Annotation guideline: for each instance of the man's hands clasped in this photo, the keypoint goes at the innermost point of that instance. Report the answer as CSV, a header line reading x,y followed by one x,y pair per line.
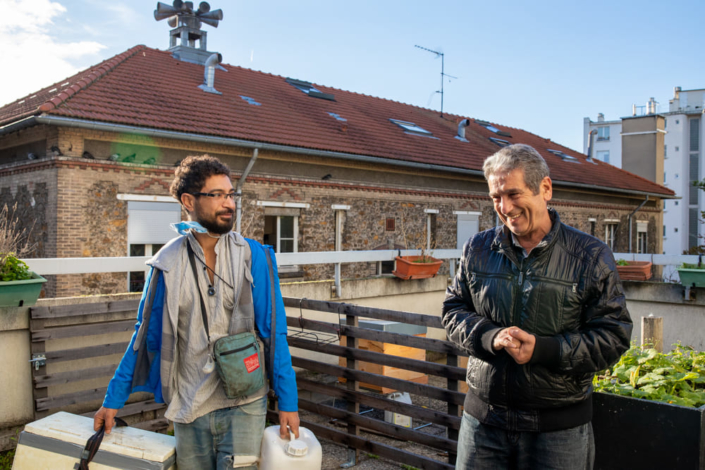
x,y
518,343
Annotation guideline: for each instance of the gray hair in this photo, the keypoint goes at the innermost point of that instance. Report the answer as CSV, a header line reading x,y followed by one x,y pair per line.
x,y
518,156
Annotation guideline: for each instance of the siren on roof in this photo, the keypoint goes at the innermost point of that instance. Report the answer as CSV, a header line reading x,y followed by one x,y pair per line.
x,y
187,41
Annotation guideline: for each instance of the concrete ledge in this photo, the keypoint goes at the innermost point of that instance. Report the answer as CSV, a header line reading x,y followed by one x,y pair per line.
x,y
662,292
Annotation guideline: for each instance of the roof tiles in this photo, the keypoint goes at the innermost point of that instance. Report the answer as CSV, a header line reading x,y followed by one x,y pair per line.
x,y
146,87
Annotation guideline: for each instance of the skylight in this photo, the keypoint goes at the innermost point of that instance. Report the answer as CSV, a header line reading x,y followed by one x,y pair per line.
x,y
490,127
309,89
564,157
412,128
500,142
306,87
338,117
251,101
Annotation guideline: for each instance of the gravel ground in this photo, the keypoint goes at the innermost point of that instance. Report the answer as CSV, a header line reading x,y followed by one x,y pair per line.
x,y
334,454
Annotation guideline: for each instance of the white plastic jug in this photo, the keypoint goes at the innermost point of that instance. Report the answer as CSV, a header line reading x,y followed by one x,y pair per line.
x,y
304,453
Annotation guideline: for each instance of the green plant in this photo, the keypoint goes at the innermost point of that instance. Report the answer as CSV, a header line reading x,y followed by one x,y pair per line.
x,y
6,459
13,269
692,266
622,262
408,467
677,377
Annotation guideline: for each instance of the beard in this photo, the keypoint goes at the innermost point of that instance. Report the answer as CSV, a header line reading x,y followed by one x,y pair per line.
x,y
213,225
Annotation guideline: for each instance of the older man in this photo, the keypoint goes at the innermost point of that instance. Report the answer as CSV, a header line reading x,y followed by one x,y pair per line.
x,y
539,308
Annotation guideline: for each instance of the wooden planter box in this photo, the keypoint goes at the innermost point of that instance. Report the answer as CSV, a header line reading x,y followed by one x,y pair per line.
x,y
21,293
692,277
634,433
408,267
635,271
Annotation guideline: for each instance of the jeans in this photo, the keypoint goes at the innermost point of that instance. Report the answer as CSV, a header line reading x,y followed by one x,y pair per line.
x,y
223,439
483,447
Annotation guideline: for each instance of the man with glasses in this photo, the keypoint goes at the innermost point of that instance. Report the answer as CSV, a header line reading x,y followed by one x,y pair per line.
x,y
205,285
539,307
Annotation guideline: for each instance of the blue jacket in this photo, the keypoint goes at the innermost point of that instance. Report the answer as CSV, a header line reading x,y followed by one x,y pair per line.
x,y
140,371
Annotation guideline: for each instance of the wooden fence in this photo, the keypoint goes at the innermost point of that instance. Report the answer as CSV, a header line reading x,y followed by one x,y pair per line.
x,y
354,397
104,329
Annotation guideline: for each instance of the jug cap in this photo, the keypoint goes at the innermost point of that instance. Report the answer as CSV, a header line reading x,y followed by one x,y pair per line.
x,y
297,448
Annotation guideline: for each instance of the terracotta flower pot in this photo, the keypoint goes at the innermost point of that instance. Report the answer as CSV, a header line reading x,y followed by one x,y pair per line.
x,y
411,267
635,271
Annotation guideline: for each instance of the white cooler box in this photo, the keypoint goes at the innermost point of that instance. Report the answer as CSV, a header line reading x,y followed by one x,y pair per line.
x,y
57,441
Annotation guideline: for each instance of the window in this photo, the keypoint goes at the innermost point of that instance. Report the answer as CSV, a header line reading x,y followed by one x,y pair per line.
x,y
282,232
252,101
412,128
664,231
603,155
665,208
487,126
603,133
610,235
148,229
390,225
641,229
665,151
500,142
431,231
309,89
593,223
135,279
338,117
664,178
564,157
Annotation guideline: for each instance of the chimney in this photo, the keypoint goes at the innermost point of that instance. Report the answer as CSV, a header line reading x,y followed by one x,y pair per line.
x,y
461,130
651,106
600,117
209,74
187,41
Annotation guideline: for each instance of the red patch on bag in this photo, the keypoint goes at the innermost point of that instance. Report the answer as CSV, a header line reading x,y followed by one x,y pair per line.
x,y
252,363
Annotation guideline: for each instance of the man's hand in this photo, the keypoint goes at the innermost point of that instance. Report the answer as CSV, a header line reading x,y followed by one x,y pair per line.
x,y
288,419
106,416
504,340
526,342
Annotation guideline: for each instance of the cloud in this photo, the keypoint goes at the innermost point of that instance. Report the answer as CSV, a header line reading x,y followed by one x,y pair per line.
x,y
32,57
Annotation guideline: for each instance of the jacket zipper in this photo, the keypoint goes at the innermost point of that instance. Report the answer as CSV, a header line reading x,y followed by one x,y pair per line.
x,y
233,351
513,321
572,285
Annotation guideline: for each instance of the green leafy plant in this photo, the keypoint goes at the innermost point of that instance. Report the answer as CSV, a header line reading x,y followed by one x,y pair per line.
x,y
622,262
692,266
13,269
677,377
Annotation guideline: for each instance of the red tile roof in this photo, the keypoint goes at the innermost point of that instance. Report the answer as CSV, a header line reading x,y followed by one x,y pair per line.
x,y
148,88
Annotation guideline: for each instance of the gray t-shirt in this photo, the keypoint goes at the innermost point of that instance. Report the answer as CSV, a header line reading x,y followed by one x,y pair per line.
x,y
198,393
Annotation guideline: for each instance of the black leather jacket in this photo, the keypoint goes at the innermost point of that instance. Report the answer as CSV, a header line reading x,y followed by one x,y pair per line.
x,y
566,292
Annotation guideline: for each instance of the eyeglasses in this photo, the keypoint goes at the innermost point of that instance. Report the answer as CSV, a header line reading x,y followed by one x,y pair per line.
x,y
217,196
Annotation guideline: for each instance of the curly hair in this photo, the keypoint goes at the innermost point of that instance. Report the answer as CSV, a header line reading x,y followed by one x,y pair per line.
x,y
191,174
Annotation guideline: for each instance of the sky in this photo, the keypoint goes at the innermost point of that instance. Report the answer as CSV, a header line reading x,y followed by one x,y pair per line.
x,y
541,66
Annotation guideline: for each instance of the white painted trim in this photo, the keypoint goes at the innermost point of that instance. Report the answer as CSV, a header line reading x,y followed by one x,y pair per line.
x,y
466,213
296,205
644,132
611,221
340,207
431,211
146,198
592,219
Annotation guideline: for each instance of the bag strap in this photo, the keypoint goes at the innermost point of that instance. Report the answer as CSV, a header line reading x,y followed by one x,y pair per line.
x,y
192,261
93,445
273,326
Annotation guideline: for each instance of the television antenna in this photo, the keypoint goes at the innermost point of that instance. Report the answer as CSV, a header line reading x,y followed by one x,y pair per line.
x,y
443,74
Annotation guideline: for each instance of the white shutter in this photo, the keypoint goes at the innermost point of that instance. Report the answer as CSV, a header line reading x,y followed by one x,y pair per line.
x,y
468,225
148,222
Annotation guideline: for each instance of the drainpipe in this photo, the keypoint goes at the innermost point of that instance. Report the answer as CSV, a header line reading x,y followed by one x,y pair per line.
x,y
240,184
590,139
629,219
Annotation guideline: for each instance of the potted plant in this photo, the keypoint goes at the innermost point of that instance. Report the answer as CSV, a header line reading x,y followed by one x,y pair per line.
x,y
650,410
692,275
634,270
420,266
18,285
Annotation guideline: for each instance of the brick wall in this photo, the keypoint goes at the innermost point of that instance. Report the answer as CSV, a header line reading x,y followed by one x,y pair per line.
x,y
77,212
